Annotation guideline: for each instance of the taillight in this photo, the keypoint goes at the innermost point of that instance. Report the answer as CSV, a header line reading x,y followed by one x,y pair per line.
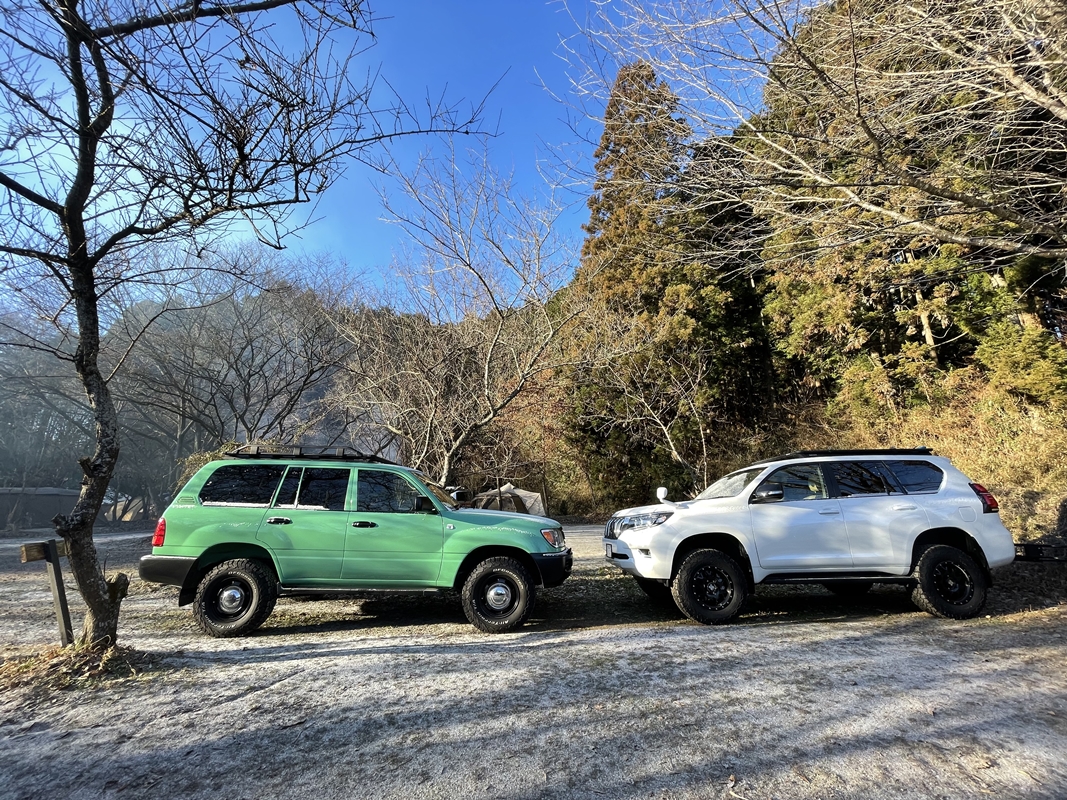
x,y
989,503
160,534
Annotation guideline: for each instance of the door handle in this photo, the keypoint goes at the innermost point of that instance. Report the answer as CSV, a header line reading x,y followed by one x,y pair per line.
x,y
362,523
828,512
903,507
278,521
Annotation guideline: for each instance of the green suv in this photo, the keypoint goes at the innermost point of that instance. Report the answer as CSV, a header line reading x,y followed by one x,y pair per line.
x,y
256,525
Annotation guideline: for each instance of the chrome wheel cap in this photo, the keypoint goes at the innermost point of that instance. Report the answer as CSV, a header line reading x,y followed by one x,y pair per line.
x,y
498,596
231,600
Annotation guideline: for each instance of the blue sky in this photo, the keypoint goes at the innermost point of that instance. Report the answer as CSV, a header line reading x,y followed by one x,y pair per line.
x,y
463,48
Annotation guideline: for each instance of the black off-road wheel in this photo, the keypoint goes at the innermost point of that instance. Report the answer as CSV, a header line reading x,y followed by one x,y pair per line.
x,y
658,591
235,597
498,596
950,583
848,588
710,587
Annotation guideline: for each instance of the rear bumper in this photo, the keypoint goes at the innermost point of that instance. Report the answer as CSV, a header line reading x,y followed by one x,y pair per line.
x,y
554,567
171,570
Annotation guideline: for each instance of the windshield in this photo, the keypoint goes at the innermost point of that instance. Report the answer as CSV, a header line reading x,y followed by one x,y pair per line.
x,y
436,490
730,485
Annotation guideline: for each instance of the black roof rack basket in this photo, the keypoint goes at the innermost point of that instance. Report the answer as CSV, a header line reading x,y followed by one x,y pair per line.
x,y
306,452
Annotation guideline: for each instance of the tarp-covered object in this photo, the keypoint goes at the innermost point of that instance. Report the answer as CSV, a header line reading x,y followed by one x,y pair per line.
x,y
510,498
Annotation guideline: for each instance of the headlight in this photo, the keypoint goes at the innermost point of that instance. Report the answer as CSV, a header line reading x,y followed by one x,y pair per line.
x,y
554,536
635,521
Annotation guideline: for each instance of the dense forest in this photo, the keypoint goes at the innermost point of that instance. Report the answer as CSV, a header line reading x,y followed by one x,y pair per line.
x,y
848,231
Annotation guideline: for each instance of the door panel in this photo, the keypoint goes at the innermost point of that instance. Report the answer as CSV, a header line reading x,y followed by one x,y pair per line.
x,y
803,530
307,525
387,541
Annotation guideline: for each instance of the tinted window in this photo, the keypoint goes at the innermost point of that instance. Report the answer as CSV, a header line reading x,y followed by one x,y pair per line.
x,y
856,479
242,484
799,482
287,494
323,487
917,477
384,492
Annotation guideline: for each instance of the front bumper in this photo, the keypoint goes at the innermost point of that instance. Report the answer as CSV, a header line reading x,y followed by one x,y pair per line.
x,y
554,567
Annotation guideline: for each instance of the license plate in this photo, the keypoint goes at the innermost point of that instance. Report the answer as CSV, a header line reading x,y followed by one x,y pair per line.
x,y
607,551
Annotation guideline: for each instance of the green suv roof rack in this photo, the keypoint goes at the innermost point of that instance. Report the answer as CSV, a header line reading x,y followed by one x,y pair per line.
x,y
888,451
305,452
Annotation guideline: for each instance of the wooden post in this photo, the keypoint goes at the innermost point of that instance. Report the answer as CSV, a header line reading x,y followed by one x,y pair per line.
x,y
50,552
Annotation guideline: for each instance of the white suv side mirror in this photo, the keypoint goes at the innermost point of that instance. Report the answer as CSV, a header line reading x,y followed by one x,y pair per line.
x,y
661,494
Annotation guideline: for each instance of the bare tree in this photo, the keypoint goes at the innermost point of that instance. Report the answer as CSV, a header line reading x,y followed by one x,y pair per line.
x,y
472,320
126,124
939,121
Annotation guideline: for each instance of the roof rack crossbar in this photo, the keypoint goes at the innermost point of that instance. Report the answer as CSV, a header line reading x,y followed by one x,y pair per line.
x,y
886,451
306,453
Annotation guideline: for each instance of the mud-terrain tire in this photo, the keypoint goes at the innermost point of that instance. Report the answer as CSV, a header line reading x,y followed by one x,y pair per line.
x,y
950,583
710,587
848,588
498,596
235,597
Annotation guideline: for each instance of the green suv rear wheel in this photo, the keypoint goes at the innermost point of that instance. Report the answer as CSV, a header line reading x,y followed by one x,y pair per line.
x,y
235,598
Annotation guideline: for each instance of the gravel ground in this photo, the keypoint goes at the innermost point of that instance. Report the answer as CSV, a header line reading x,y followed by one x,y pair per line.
x,y
602,695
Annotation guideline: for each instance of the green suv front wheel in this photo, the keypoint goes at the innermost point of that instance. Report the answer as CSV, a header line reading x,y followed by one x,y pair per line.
x,y
498,595
235,598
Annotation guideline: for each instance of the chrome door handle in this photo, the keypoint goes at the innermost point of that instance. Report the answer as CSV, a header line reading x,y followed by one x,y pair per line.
x,y
902,507
362,523
278,521
826,512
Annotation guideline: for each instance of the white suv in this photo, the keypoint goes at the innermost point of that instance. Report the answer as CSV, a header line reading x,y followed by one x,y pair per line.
x,y
844,518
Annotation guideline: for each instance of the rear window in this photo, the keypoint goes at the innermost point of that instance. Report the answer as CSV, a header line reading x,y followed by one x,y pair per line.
x,y
917,477
242,485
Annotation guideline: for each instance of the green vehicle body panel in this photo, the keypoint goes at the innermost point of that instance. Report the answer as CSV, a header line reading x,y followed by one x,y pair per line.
x,y
318,548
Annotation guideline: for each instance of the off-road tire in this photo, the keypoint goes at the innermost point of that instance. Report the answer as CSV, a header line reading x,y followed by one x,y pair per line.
x,y
235,597
498,596
848,588
710,587
950,583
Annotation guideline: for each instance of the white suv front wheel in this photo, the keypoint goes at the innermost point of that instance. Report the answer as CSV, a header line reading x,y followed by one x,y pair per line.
x,y
710,587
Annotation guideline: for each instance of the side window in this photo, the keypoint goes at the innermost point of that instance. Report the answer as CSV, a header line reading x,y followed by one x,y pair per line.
x,y
242,485
287,494
917,477
855,479
799,482
323,488
384,492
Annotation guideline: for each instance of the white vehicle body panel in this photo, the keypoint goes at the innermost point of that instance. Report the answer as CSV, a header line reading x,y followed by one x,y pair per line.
x,y
869,534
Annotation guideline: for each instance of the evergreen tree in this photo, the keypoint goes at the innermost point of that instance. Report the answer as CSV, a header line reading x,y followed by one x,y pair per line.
x,y
676,355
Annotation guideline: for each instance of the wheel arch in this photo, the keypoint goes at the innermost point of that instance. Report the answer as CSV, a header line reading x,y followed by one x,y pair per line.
x,y
479,554
216,554
954,537
725,542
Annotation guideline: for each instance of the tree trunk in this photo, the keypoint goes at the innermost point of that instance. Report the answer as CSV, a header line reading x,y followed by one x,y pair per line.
x,y
102,596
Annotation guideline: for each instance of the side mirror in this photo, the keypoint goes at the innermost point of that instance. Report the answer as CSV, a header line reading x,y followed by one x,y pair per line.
x,y
463,495
661,494
425,505
768,493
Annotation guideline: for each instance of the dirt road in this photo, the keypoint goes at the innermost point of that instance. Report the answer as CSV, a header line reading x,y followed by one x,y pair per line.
x,y
602,696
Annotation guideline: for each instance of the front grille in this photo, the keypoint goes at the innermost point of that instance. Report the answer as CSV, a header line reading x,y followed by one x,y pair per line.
x,y
609,529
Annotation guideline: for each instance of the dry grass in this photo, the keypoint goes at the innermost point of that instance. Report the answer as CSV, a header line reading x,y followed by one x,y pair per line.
x,y
73,668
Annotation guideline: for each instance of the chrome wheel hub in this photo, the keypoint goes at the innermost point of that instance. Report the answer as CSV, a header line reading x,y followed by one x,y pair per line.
x,y
231,600
498,596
